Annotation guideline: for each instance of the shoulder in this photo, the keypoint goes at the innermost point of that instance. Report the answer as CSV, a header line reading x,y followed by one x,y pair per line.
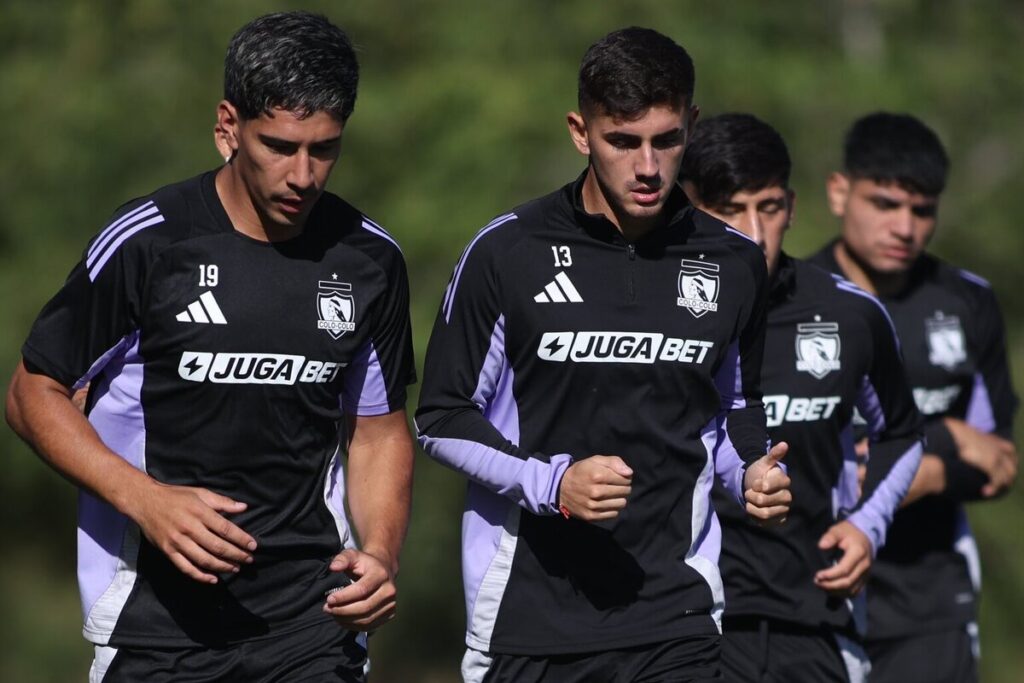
x,y
709,229
845,298
141,227
973,289
337,223
500,236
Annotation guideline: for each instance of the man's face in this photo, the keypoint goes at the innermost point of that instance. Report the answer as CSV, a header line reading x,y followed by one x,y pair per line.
x,y
283,161
634,163
763,216
885,226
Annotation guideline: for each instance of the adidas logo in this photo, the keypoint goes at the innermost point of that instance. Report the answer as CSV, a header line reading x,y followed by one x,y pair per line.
x,y
204,310
559,291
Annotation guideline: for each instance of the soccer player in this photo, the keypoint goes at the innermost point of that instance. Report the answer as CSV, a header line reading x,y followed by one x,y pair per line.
x,y
829,347
923,591
228,324
594,349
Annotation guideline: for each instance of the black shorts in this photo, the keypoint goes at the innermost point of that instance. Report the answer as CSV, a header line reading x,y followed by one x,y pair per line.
x,y
323,652
756,650
940,657
687,660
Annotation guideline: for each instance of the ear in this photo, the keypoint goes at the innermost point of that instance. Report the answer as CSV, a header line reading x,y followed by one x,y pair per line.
x,y
578,132
837,187
691,119
790,207
225,131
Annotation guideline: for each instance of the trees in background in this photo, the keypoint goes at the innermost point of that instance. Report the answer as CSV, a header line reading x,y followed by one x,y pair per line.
x,y
461,116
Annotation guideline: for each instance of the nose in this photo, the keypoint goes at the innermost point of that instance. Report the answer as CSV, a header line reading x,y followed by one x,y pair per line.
x,y
754,229
300,176
646,162
903,224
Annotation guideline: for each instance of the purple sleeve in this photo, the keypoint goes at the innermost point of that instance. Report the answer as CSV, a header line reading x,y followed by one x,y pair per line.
x,y
887,404
374,383
738,378
467,418
729,467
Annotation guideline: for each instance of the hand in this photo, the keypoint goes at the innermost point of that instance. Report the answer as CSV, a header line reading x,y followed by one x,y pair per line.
x,y
368,602
766,487
846,577
993,455
596,488
188,526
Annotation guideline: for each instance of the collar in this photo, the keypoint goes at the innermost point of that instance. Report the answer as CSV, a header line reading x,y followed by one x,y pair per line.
x,y
677,207
783,282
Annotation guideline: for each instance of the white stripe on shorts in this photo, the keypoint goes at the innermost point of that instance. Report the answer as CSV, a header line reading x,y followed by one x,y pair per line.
x,y
104,657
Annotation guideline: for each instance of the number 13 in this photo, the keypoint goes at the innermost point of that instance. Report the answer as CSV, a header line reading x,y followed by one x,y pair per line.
x,y
563,257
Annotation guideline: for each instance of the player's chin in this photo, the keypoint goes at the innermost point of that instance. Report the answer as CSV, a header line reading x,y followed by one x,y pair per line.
x,y
643,210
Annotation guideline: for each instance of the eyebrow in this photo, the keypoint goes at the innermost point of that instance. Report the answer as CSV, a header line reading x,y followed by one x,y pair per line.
x,y
271,140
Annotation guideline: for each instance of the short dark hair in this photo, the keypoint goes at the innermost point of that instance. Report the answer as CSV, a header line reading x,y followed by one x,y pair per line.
x,y
633,69
732,153
296,61
898,148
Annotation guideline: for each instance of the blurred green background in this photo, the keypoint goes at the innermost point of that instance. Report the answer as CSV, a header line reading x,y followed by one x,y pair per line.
x,y
461,116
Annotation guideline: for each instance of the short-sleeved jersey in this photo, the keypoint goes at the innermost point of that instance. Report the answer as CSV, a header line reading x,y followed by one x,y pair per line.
x,y
829,348
220,361
557,340
953,341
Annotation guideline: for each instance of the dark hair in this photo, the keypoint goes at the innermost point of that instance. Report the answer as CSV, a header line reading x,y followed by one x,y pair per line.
x,y
896,148
628,71
296,61
732,153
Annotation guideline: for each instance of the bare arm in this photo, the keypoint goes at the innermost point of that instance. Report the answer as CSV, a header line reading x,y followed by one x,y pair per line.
x,y
185,523
379,489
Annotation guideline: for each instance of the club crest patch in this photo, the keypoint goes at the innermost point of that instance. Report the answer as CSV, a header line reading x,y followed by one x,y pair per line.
x,y
817,348
947,347
698,287
336,308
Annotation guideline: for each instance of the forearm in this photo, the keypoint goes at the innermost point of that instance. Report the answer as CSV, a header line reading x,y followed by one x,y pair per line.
x,y
930,479
380,468
41,412
891,470
465,441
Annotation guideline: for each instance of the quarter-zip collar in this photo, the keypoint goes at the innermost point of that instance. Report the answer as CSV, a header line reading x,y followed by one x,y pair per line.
x,y
677,207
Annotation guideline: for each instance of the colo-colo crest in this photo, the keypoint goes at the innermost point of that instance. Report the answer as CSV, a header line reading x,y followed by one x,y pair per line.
x,y
946,346
336,308
817,348
698,287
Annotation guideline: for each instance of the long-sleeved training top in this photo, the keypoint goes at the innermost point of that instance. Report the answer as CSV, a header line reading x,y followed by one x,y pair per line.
x,y
829,348
557,340
954,347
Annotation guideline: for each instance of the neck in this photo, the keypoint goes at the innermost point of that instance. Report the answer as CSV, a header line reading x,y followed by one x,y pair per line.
x,y
856,271
596,202
242,212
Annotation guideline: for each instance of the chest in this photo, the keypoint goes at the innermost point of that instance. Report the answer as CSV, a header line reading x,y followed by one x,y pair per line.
x,y
815,358
572,303
232,312
938,349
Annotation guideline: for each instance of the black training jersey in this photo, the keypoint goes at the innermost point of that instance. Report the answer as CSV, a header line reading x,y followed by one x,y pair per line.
x,y
220,361
829,348
557,340
926,578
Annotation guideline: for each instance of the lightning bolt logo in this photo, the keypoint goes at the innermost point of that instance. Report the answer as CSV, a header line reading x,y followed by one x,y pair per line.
x,y
194,365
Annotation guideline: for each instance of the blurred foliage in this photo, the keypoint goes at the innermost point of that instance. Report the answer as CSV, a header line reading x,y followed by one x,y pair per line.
x,y
461,116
